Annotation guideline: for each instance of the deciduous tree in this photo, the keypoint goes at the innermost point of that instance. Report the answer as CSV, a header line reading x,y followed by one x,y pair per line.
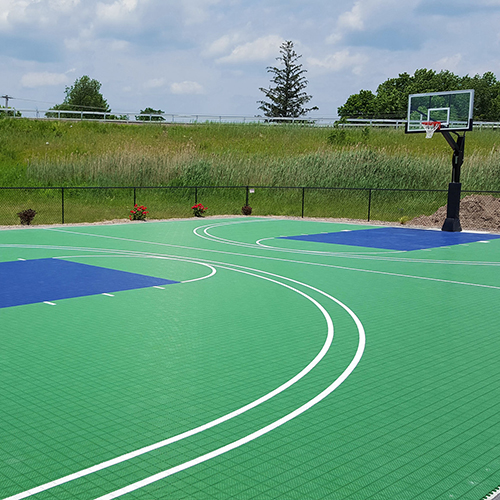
x,y
149,115
362,105
83,95
391,99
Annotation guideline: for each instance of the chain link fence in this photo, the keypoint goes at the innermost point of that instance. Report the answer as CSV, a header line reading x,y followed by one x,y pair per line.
x,y
55,205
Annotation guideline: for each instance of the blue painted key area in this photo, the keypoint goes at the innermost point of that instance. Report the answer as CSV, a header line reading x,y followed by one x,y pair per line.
x,y
395,238
47,280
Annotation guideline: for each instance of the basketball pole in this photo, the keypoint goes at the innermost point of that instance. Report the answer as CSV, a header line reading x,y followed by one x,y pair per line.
x,y
452,222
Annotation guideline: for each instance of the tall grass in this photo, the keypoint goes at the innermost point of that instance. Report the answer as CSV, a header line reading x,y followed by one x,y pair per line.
x,y
59,153
358,167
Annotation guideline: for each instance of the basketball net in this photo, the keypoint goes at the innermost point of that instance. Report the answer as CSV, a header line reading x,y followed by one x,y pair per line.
x,y
430,128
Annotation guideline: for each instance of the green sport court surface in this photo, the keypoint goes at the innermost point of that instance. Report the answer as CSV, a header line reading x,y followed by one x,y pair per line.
x,y
215,358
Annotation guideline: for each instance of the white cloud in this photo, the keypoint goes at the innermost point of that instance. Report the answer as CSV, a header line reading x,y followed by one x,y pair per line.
x,y
43,79
117,11
340,61
186,87
223,44
63,5
87,41
155,83
450,63
371,15
213,54
196,11
353,19
262,49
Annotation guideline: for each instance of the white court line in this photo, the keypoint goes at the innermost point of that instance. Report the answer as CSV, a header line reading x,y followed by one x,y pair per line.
x,y
400,275
240,442
347,255
149,256
211,237
233,445
213,423
108,294
344,268
354,255
49,303
236,444
318,252
286,260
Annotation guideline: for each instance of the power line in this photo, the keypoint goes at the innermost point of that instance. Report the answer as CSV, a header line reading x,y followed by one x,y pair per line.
x,y
83,108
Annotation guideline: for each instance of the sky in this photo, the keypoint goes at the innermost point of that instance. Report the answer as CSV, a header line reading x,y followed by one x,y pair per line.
x,y
210,57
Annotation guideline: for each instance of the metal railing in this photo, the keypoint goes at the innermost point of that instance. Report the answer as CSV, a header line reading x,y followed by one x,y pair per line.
x,y
90,204
172,118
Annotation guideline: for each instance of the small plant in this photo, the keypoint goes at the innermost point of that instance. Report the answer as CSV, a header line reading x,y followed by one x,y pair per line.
x,y
404,219
138,213
246,210
199,210
338,136
26,216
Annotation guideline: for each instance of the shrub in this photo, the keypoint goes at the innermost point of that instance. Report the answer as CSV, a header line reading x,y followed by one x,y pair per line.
x,y
26,216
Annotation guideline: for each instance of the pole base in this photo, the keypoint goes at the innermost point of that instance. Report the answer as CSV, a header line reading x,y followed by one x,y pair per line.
x,y
451,224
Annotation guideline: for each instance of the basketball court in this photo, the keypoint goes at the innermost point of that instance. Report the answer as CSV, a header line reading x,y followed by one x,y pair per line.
x,y
249,358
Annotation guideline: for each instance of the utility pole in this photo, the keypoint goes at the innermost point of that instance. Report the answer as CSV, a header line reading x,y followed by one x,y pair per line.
x,y
7,97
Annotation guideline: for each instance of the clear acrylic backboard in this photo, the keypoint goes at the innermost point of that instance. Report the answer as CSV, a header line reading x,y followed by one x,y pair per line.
x,y
453,110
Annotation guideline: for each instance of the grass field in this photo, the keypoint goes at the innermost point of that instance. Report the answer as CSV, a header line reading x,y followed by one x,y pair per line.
x,y
41,153
38,153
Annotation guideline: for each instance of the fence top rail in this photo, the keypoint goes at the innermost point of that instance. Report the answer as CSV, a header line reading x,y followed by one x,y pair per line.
x,y
137,117
247,187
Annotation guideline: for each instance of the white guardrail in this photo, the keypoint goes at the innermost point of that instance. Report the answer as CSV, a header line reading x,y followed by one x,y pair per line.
x,y
170,118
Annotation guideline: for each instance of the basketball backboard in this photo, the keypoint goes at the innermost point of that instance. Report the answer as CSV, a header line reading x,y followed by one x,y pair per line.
x,y
452,109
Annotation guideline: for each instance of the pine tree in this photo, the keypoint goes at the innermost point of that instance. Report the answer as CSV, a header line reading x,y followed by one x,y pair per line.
x,y
286,99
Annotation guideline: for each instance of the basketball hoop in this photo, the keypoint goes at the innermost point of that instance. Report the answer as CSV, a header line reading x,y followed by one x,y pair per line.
x,y
430,128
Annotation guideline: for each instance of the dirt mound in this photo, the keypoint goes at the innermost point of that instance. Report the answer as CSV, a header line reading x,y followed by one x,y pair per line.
x,y
478,212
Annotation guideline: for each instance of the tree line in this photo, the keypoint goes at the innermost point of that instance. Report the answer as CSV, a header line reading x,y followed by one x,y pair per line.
x,y
391,99
286,96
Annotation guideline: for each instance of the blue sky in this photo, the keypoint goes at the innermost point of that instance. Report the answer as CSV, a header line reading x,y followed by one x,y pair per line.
x,y
210,56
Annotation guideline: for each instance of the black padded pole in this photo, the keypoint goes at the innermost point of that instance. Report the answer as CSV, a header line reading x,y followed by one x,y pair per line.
x,y
452,222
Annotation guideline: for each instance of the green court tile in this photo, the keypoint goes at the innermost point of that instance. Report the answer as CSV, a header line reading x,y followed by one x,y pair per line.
x,y
93,378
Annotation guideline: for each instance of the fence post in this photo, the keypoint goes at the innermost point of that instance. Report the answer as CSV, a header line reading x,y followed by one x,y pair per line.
x,y
369,203
62,205
135,197
246,200
303,196
196,195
